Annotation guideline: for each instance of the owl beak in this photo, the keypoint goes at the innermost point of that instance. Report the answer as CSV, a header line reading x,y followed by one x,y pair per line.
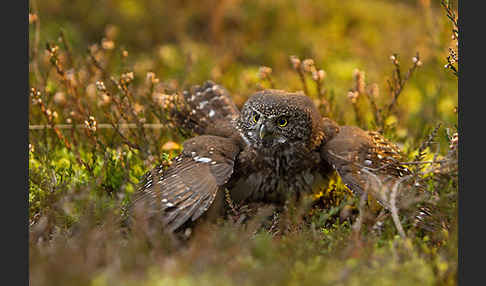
x,y
263,131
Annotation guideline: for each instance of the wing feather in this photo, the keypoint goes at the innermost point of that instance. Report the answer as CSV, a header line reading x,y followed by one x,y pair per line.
x,y
365,161
204,107
187,188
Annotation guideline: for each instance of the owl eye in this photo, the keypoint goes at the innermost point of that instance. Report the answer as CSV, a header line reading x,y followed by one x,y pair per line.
x,y
282,122
255,117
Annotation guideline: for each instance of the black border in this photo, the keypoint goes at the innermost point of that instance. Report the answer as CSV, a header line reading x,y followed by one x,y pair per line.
x,y
14,118
470,202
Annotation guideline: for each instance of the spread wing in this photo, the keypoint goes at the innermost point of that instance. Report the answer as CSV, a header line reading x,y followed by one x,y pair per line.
x,y
204,108
187,188
365,161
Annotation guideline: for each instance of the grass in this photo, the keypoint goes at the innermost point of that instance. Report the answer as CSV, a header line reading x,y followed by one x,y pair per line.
x,y
381,65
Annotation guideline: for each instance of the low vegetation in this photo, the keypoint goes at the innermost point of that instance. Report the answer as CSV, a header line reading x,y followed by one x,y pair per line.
x,y
103,75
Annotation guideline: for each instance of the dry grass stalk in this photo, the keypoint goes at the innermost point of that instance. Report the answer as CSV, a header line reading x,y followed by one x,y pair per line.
x,y
399,81
308,67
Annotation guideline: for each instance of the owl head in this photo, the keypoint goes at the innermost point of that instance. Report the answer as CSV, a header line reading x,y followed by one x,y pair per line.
x,y
272,119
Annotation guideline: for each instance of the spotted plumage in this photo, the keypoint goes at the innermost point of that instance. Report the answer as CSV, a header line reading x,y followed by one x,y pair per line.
x,y
273,150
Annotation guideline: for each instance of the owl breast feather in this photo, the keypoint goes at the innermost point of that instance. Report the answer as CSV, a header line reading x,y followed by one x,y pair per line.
x,y
274,177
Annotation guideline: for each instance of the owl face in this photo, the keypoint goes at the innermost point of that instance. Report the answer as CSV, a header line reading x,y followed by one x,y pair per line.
x,y
272,119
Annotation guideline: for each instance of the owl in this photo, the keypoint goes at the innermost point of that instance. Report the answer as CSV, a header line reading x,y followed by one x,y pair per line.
x,y
276,148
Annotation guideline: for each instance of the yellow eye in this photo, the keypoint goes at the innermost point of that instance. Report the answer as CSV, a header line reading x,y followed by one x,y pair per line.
x,y
282,122
256,117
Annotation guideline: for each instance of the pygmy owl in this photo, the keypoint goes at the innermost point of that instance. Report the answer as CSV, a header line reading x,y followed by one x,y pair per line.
x,y
273,150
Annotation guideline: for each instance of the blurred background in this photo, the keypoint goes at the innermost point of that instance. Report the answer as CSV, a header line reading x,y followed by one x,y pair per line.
x,y
228,40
